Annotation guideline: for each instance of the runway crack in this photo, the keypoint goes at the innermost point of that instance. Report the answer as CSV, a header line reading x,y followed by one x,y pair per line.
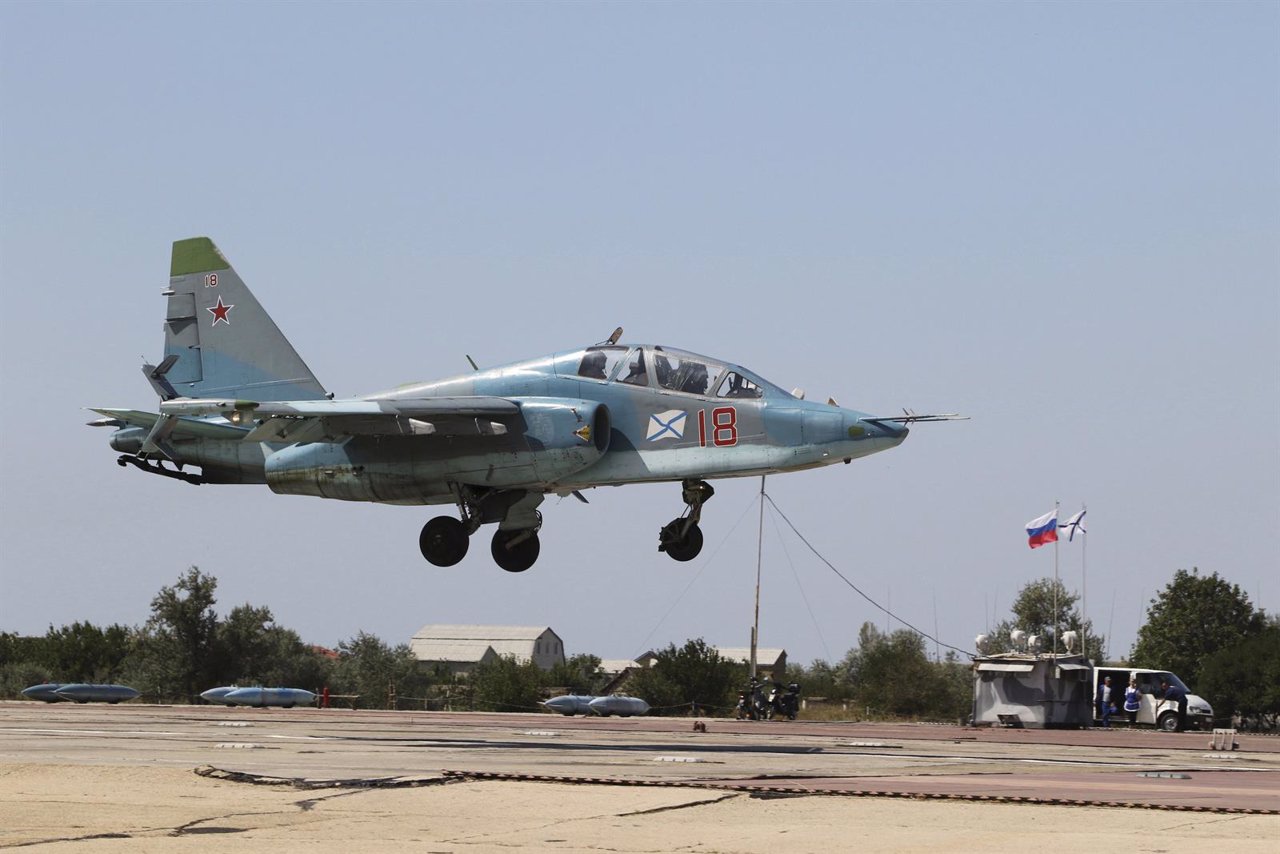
x,y
684,806
56,839
355,783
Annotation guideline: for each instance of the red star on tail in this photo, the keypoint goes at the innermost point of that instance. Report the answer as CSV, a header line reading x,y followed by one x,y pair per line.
x,y
219,312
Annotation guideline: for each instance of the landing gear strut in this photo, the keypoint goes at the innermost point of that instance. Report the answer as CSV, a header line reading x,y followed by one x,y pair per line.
x,y
444,540
681,538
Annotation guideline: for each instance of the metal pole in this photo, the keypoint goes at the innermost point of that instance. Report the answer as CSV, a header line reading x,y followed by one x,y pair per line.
x,y
1084,589
1055,583
755,626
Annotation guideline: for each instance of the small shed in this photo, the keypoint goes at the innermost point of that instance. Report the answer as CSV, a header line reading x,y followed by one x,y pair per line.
x,y
1037,691
770,663
461,648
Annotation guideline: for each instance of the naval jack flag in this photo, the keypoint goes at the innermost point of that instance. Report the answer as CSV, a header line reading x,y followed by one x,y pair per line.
x,y
1074,525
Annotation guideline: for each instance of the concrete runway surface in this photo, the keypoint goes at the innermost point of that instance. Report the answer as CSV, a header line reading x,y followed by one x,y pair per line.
x,y
208,778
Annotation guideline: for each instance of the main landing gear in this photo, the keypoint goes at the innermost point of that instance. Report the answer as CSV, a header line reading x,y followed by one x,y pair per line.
x,y
681,538
444,540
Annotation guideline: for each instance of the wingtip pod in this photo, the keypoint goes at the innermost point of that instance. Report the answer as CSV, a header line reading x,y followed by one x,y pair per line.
x,y
196,255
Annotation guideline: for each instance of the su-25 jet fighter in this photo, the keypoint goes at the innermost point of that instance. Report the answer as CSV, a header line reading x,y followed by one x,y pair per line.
x,y
238,403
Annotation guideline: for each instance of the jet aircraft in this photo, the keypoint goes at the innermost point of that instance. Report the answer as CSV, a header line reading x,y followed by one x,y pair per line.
x,y
238,403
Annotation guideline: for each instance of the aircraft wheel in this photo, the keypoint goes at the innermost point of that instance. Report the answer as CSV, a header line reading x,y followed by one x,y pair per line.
x,y
686,548
515,557
444,541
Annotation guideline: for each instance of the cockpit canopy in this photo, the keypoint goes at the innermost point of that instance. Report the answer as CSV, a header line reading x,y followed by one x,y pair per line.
x,y
666,369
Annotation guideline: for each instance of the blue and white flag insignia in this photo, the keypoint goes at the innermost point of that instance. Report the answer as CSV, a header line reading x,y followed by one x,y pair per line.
x,y
666,425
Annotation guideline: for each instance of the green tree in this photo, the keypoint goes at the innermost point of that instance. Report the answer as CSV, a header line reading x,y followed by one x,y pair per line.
x,y
376,672
952,697
504,684
1244,679
890,672
82,652
21,664
580,674
693,674
1033,613
1194,617
177,645
821,679
15,648
253,650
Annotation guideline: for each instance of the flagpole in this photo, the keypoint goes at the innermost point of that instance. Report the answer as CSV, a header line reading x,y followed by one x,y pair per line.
x,y
1055,581
1084,586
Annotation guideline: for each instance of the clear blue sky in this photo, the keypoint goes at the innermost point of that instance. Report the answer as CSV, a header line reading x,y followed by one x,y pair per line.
x,y
1058,218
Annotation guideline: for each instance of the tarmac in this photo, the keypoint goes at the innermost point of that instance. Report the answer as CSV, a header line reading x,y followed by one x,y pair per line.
x,y
136,777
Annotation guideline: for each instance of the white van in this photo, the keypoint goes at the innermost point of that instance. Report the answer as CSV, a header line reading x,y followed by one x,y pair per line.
x,y
1154,710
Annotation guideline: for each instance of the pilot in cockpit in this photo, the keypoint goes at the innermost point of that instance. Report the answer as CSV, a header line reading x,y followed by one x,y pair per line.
x,y
696,381
636,373
592,365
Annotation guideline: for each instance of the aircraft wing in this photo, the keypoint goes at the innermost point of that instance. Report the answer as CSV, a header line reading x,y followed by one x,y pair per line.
x,y
332,420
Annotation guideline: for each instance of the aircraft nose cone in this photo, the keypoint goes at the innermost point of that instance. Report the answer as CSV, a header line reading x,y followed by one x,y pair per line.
x,y
859,427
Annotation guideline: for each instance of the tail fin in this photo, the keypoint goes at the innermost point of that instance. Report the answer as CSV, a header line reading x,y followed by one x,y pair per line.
x,y
218,341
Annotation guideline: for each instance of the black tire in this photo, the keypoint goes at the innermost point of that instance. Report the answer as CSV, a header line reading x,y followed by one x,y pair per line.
x,y
1168,722
444,541
518,557
688,547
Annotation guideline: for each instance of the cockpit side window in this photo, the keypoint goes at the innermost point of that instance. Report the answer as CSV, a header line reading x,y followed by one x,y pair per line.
x,y
681,373
735,384
599,363
634,372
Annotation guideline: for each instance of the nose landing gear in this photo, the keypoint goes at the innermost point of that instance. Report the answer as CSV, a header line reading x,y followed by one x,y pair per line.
x,y
681,538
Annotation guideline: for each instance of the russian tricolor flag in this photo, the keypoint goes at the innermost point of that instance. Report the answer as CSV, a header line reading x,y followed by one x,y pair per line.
x,y
1043,530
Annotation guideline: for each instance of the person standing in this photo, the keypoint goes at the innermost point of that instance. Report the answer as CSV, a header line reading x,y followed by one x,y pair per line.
x,y
1104,702
1132,700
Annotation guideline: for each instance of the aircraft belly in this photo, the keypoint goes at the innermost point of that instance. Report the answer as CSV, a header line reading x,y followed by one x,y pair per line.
x,y
682,463
409,470
221,461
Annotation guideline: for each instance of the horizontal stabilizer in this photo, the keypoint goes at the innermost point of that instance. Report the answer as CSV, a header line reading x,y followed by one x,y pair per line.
x,y
184,428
